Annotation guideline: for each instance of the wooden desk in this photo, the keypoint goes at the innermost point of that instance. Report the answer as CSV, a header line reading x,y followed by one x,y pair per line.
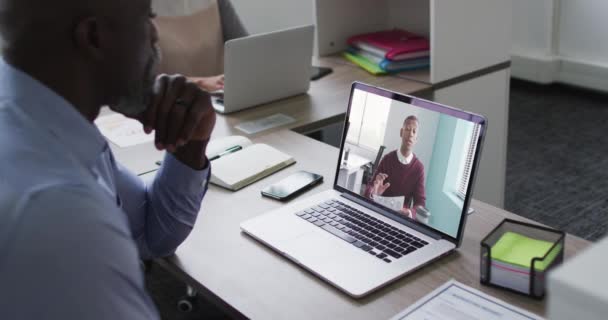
x,y
325,103
239,272
248,279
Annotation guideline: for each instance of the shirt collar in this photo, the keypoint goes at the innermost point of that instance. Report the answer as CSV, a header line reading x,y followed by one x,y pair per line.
x,y
404,160
53,113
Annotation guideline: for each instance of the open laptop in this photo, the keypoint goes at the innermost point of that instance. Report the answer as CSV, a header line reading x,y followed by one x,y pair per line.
x,y
358,244
265,67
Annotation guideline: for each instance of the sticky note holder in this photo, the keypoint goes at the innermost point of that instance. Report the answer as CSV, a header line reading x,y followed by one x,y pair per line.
x,y
517,256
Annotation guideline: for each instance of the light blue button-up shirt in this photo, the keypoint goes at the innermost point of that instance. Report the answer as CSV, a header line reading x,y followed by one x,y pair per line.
x,y
73,222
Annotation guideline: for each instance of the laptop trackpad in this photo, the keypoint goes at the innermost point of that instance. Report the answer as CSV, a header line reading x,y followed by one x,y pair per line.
x,y
338,262
313,247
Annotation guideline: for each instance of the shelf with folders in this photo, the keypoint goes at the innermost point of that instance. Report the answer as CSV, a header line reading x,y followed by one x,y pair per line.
x,y
464,36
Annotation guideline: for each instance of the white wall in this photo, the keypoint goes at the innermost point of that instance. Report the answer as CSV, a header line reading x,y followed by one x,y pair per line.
x,y
532,26
269,15
561,41
583,30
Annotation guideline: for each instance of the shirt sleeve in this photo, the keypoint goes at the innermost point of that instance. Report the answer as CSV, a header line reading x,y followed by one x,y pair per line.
x,y
72,258
419,191
163,211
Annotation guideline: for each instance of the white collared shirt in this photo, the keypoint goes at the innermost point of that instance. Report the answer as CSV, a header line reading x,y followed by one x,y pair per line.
x,y
403,159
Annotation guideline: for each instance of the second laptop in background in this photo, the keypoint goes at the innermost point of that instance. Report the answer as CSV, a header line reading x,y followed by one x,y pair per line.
x,y
266,67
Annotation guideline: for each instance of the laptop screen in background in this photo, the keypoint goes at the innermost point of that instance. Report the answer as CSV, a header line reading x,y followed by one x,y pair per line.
x,y
412,160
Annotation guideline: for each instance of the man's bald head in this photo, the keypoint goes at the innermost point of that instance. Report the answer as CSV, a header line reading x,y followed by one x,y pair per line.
x,y
38,21
100,50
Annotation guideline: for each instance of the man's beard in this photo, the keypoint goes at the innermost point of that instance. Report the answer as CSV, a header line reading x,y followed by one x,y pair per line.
x,y
139,94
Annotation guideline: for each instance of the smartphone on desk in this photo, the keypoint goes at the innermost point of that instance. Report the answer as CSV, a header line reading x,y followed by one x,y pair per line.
x,y
292,185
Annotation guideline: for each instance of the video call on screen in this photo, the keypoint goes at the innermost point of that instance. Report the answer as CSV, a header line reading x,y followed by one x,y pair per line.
x,y
411,160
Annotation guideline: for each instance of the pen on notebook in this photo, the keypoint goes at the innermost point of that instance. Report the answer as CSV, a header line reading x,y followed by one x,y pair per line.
x,y
228,151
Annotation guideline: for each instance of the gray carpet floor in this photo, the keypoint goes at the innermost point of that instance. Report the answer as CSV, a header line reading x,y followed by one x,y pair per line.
x,y
557,173
557,158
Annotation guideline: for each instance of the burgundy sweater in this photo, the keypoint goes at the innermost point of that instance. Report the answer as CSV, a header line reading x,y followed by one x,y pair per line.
x,y
405,179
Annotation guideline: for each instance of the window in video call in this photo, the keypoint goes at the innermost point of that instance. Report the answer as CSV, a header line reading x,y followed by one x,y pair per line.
x,y
414,161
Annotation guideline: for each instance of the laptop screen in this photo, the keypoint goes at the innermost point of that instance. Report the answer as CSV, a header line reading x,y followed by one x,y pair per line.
x,y
414,157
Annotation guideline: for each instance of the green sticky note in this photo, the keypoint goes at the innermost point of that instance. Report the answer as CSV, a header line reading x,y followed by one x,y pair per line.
x,y
519,250
364,63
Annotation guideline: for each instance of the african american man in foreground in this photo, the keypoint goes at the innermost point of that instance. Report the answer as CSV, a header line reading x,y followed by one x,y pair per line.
x,y
74,223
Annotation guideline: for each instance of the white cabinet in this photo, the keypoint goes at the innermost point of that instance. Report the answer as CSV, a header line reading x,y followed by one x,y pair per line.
x,y
487,95
577,289
465,35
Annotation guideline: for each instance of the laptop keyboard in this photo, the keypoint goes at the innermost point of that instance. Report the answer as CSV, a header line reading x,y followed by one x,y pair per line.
x,y
365,232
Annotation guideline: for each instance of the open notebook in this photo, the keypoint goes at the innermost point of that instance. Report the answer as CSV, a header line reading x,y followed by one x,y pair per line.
x,y
239,162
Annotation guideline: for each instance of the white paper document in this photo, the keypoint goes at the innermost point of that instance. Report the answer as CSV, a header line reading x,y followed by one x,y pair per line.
x,y
122,131
259,125
394,203
456,301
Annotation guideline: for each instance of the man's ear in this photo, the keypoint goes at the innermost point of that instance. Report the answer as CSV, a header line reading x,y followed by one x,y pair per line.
x,y
401,132
88,38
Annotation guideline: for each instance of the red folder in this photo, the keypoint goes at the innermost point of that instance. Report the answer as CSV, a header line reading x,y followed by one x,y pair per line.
x,y
392,44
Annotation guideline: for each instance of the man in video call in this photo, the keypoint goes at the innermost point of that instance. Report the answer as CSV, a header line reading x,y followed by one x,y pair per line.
x,y
400,173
